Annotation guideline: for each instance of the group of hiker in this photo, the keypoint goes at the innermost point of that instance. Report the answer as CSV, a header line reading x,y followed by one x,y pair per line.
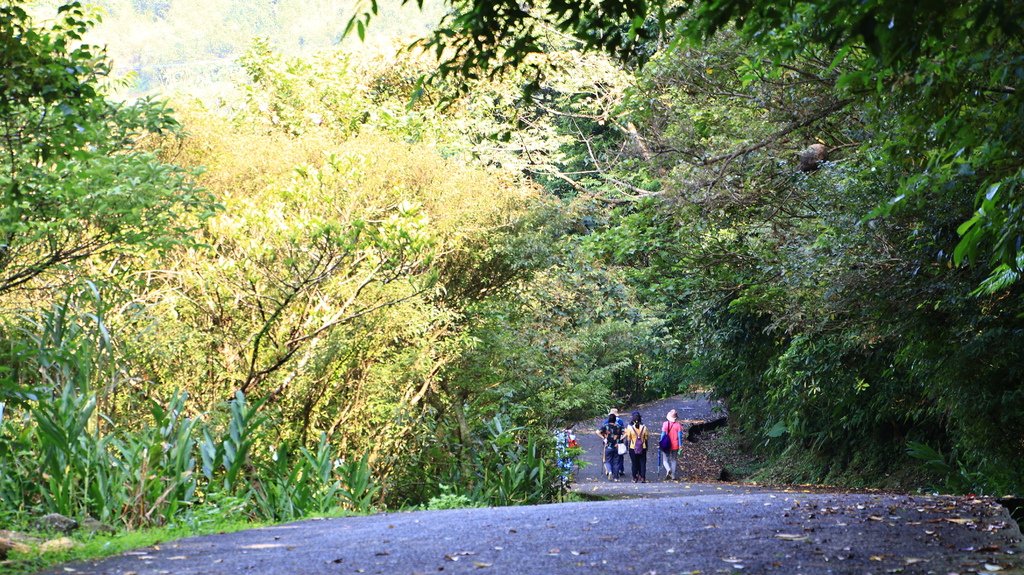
x,y
620,439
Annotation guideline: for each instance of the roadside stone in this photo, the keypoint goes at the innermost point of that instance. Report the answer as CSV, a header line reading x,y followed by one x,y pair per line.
x,y
93,526
19,538
56,522
60,544
8,545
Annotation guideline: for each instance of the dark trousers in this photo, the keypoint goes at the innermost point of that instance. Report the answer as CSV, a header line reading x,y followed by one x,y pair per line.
x,y
614,460
638,461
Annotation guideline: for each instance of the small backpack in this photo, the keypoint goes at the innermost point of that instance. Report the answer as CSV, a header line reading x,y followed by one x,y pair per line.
x,y
639,445
665,443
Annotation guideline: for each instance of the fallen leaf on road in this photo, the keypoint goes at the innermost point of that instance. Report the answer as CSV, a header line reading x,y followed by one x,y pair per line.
x,y
876,558
913,560
991,567
989,549
481,564
731,559
554,551
790,537
959,521
874,518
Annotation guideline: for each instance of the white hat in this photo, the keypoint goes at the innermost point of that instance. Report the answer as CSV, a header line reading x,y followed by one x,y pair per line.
x,y
671,416
613,411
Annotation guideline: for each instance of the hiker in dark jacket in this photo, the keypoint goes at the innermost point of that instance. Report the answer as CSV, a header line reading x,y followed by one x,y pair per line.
x,y
611,433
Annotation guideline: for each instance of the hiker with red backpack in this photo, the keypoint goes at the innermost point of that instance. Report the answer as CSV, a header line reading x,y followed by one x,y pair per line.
x,y
669,443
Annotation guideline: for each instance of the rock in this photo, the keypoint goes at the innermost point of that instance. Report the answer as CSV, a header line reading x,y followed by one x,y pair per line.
x,y
91,525
22,538
811,157
694,431
55,522
8,545
60,544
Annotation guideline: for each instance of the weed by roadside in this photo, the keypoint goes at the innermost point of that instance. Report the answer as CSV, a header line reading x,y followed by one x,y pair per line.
x,y
95,546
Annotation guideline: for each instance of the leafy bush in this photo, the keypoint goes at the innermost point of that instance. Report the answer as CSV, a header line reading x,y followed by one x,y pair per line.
x,y
449,499
516,470
147,477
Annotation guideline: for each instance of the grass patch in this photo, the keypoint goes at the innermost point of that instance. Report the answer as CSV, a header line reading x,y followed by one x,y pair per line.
x,y
97,546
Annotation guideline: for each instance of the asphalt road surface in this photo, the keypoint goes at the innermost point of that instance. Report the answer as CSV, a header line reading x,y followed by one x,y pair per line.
x,y
650,529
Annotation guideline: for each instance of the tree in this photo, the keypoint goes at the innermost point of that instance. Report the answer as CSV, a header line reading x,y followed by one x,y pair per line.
x,y
947,110
78,177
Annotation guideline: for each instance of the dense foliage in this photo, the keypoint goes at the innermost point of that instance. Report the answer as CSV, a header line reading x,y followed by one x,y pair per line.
x,y
810,199
312,299
327,293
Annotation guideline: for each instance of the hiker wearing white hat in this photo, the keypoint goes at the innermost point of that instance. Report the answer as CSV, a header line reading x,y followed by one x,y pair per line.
x,y
669,443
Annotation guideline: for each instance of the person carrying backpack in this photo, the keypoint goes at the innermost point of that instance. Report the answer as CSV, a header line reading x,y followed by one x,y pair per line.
x,y
669,443
611,433
620,449
636,441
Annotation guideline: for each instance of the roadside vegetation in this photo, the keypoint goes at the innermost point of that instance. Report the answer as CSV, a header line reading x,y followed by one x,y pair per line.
x,y
353,283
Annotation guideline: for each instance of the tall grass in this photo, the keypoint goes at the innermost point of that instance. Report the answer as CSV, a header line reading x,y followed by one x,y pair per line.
x,y
60,453
148,476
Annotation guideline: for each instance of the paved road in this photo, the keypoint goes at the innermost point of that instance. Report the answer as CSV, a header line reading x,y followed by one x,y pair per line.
x,y
669,528
755,533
